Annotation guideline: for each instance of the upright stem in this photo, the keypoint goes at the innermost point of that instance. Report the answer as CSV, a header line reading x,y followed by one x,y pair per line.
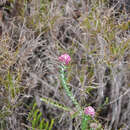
x,y
84,123
85,118
68,92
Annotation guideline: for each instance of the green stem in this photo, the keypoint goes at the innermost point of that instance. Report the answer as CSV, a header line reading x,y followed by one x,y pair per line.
x,y
84,123
85,118
68,92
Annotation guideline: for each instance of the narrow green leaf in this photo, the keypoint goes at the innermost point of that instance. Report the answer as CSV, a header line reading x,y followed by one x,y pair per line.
x,y
41,124
38,118
46,125
51,125
55,103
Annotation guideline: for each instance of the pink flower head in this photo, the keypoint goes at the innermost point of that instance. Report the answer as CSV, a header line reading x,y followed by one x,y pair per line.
x,y
65,58
89,111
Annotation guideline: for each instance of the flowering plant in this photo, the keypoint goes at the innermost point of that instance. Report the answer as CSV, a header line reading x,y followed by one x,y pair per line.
x,y
89,111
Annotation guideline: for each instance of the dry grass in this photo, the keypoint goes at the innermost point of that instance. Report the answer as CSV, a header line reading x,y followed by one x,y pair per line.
x,y
97,37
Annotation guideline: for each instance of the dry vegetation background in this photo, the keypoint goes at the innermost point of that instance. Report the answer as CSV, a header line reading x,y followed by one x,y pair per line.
x,y
95,33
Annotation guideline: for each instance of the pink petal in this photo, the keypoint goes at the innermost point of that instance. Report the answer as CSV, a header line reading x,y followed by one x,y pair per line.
x,y
65,58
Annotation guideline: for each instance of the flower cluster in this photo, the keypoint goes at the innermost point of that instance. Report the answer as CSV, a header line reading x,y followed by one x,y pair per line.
x,y
89,111
65,58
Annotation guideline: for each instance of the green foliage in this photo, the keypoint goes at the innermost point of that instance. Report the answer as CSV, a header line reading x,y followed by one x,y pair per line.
x,y
37,121
3,115
55,103
11,91
84,124
67,90
60,106
44,6
85,118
